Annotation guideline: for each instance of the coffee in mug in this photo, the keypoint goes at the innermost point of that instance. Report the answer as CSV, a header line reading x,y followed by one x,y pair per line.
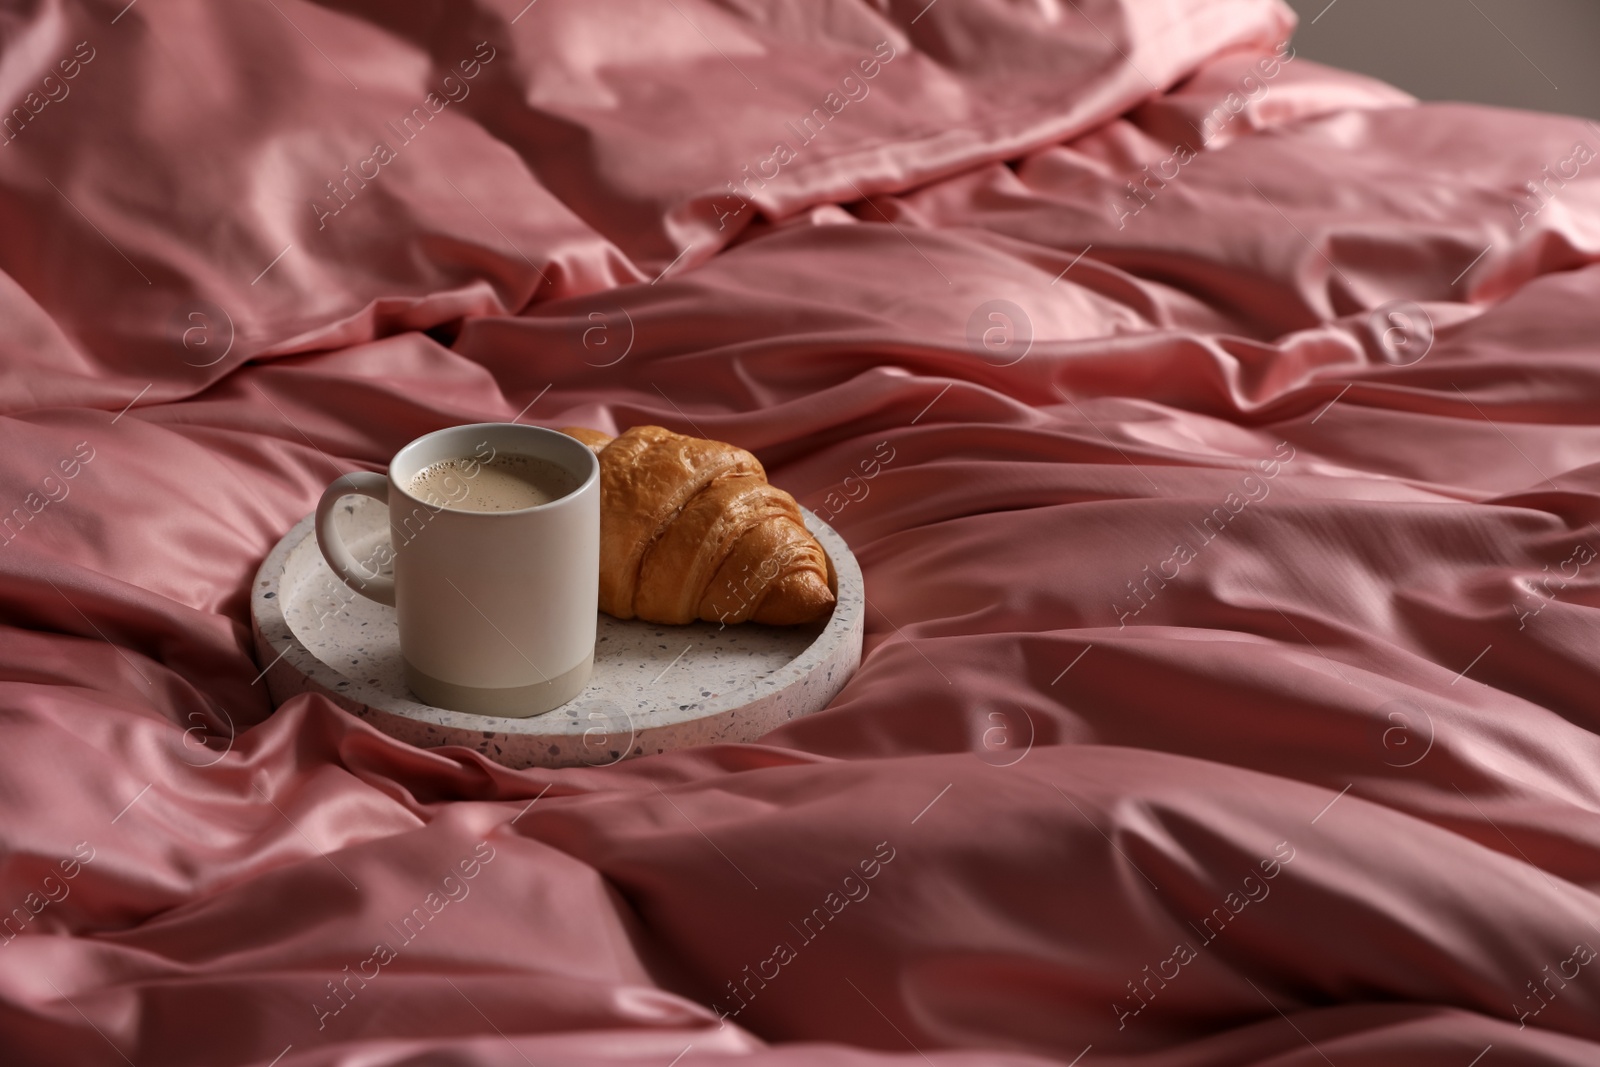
x,y
508,481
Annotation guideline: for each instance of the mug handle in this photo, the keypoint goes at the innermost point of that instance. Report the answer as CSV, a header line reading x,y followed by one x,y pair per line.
x,y
369,584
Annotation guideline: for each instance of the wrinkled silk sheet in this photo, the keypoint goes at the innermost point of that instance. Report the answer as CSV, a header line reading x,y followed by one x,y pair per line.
x,y
1215,431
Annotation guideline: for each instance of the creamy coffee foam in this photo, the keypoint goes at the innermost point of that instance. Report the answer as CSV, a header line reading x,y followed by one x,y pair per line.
x,y
507,482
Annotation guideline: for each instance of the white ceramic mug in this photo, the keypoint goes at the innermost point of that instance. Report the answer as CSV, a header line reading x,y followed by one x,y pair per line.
x,y
496,608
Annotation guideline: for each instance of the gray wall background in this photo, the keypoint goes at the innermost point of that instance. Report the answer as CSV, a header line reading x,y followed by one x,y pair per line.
x,y
1542,55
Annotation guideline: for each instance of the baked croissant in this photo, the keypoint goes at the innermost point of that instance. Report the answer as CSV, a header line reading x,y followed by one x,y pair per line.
x,y
691,529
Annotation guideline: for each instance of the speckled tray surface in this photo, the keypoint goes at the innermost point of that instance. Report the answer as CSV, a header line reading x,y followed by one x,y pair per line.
x,y
655,688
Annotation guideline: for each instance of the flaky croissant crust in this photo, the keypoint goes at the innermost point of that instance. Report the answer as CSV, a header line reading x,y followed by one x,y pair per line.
x,y
691,529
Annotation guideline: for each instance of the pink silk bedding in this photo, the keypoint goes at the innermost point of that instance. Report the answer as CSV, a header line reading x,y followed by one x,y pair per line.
x,y
1229,692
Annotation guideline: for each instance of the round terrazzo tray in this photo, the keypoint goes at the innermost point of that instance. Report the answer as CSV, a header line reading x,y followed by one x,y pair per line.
x,y
655,688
